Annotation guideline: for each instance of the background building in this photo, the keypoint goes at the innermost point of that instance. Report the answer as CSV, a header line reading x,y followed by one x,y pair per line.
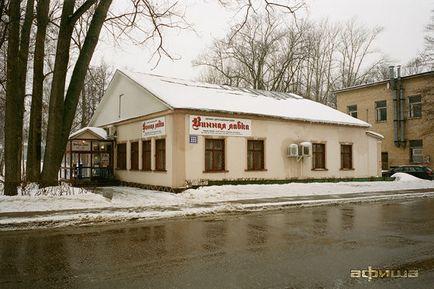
x,y
402,110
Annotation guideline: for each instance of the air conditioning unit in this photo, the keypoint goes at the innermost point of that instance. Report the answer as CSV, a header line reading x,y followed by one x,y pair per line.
x,y
418,156
306,149
293,150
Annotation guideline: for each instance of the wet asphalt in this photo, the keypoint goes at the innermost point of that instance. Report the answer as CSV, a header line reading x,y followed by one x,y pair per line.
x,y
314,247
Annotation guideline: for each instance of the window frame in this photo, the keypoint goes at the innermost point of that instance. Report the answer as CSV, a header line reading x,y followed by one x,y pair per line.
x,y
378,110
160,153
124,163
415,145
214,168
145,153
384,160
314,152
346,154
136,156
352,109
412,104
254,165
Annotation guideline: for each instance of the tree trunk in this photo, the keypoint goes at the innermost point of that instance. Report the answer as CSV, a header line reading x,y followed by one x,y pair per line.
x,y
35,130
62,113
83,121
55,111
18,51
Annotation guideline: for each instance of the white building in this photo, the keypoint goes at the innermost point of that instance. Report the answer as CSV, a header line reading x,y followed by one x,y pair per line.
x,y
175,133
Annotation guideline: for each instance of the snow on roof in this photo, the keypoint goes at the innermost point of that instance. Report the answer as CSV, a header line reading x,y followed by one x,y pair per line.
x,y
185,94
375,134
99,132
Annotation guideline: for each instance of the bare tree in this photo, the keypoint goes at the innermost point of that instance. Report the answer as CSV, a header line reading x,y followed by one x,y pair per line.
x,y
429,39
34,152
355,46
96,81
312,59
259,56
75,26
4,21
18,39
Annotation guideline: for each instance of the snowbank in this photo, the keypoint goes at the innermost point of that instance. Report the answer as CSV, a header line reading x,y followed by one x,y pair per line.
x,y
33,190
64,197
404,177
235,192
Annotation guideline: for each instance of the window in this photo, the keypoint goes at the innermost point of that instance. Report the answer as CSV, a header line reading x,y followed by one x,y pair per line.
x,y
352,110
318,156
255,154
214,155
416,151
160,155
121,163
346,157
134,156
384,160
146,155
381,110
415,106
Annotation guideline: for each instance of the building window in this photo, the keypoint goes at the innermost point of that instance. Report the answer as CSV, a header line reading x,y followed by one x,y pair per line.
x,y
384,160
146,155
352,110
318,156
346,157
160,155
416,151
415,106
134,156
121,161
381,110
255,154
214,155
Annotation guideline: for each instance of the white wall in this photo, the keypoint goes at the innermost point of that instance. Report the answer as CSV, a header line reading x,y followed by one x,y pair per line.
x,y
131,132
185,162
278,134
135,101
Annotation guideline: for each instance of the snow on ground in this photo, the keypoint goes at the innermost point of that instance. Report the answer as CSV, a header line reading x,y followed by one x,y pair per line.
x,y
234,192
64,197
403,177
126,203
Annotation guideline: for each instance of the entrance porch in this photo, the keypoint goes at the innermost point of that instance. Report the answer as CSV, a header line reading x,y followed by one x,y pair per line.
x,y
88,156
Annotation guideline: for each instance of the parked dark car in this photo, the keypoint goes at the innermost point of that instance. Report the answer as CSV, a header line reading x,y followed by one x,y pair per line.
x,y
422,172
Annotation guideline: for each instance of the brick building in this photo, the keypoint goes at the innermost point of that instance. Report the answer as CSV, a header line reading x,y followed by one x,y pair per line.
x,y
402,110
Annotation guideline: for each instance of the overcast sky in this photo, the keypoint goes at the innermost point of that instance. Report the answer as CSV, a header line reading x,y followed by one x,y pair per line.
x,y
403,22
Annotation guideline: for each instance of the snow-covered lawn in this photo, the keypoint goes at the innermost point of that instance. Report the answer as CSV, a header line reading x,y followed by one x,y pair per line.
x,y
234,192
122,203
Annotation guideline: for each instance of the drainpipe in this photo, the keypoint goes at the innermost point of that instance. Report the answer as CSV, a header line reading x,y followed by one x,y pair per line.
x,y
402,141
392,84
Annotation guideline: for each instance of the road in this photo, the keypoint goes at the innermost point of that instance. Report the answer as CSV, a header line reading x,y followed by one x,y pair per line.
x,y
314,247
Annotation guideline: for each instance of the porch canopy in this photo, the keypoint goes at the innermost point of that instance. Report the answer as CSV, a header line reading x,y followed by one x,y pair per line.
x,y
88,155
